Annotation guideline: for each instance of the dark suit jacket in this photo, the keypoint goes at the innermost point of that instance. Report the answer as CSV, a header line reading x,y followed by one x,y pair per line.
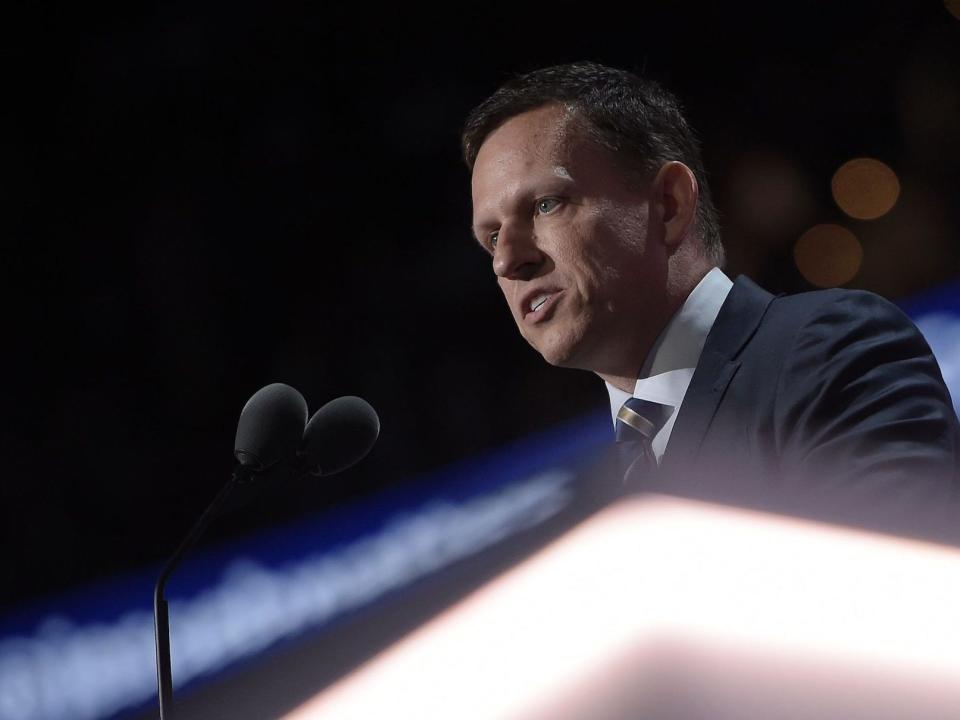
x,y
833,390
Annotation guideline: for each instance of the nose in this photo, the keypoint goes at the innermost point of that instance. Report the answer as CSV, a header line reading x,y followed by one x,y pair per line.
x,y
517,255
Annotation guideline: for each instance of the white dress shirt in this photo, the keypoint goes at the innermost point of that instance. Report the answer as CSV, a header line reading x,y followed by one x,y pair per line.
x,y
669,367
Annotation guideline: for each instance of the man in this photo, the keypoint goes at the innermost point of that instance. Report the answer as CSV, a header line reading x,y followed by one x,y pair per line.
x,y
590,196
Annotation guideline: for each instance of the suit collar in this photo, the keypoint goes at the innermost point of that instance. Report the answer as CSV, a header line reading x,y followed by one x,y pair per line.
x,y
739,317
736,323
668,368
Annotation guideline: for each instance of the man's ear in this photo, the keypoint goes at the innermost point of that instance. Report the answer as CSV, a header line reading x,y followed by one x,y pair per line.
x,y
674,194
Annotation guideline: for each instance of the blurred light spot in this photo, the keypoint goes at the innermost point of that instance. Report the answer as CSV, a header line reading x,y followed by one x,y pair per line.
x,y
828,255
953,7
865,188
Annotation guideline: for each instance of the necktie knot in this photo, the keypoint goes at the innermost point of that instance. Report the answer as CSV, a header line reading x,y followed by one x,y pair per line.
x,y
640,420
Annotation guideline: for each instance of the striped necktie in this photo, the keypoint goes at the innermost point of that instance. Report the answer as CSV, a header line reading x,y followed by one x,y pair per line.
x,y
638,422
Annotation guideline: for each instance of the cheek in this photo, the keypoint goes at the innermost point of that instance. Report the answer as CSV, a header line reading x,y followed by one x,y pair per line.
x,y
592,258
624,227
508,291
619,248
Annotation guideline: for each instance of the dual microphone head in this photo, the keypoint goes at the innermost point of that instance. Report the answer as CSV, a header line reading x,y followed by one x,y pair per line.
x,y
273,429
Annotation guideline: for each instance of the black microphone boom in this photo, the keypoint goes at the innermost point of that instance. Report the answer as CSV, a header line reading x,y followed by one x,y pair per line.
x,y
270,429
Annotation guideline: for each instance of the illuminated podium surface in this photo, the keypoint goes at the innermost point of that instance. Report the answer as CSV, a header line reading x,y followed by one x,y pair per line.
x,y
659,607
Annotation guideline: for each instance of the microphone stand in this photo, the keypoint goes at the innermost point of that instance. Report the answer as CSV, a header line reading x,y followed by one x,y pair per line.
x,y
161,619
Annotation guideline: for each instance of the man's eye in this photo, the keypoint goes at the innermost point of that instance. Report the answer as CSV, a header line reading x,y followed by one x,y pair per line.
x,y
547,205
493,238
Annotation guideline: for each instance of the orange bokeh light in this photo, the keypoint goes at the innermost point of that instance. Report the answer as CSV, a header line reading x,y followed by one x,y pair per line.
x,y
828,255
865,188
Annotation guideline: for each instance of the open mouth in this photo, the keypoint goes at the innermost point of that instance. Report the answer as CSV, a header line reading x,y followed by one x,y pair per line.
x,y
538,307
539,301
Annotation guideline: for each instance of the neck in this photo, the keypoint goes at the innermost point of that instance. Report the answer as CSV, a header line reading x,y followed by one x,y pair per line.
x,y
622,382
628,369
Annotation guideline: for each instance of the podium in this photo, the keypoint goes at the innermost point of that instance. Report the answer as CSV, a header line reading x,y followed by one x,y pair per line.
x,y
676,609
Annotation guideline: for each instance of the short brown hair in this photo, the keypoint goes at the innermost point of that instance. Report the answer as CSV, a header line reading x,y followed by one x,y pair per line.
x,y
633,117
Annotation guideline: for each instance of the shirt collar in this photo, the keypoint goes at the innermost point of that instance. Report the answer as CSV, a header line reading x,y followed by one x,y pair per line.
x,y
669,366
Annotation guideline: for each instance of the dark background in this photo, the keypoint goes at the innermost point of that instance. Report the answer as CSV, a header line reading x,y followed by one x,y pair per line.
x,y
201,200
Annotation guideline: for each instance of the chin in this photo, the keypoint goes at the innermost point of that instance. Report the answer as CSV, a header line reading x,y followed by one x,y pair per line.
x,y
554,359
563,353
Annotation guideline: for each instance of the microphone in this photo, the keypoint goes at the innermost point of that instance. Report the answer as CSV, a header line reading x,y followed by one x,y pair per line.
x,y
270,428
339,435
269,431
272,432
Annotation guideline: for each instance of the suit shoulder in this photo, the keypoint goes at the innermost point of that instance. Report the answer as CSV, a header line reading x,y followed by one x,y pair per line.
x,y
837,307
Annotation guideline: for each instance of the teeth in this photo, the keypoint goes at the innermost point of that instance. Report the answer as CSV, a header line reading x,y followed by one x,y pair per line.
x,y
538,301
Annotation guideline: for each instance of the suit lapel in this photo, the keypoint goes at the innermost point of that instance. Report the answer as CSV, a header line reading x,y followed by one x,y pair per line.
x,y
736,323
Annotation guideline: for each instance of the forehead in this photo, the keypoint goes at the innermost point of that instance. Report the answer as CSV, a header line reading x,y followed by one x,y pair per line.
x,y
536,139
541,145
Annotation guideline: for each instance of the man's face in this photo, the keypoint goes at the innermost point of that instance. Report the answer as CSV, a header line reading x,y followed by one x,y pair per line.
x,y
574,250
